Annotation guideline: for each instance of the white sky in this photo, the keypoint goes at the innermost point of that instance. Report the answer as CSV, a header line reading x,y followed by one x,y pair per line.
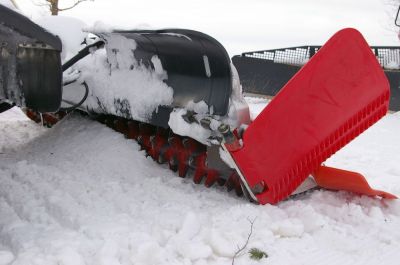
x,y
245,25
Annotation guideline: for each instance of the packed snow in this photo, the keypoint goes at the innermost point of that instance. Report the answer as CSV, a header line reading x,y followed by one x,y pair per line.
x,y
80,193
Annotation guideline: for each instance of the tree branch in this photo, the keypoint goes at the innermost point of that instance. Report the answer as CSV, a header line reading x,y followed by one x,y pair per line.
x,y
74,5
240,249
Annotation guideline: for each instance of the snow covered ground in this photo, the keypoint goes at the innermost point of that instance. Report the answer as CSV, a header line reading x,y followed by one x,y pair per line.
x,y
80,193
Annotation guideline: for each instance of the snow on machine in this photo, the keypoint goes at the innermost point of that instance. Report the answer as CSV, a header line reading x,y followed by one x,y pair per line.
x,y
176,92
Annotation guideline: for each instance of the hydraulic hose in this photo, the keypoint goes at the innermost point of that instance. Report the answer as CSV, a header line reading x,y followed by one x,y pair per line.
x,y
80,102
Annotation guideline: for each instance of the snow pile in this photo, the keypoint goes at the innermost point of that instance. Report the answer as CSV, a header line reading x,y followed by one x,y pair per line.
x,y
16,130
83,194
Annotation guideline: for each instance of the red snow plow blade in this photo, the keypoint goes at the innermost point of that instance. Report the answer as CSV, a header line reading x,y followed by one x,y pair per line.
x,y
336,96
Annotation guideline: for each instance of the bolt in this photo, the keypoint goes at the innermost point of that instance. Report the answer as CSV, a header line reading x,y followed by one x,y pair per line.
x,y
223,128
259,188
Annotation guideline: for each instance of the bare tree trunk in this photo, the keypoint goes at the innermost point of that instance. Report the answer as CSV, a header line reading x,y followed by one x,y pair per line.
x,y
54,7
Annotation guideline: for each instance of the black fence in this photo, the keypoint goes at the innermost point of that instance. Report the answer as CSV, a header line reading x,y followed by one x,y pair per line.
x,y
387,56
292,56
266,72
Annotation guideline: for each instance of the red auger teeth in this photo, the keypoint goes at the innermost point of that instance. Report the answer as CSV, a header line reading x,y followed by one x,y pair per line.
x,y
182,169
159,141
233,182
200,168
133,130
211,178
173,164
33,115
198,177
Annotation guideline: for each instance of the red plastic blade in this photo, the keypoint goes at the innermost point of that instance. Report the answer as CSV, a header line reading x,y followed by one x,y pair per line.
x,y
337,95
339,179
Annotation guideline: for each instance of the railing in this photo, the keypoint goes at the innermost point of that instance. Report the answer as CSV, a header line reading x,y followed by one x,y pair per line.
x,y
387,56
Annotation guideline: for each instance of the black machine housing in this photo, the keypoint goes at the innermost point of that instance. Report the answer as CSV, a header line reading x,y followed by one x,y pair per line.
x,y
30,64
